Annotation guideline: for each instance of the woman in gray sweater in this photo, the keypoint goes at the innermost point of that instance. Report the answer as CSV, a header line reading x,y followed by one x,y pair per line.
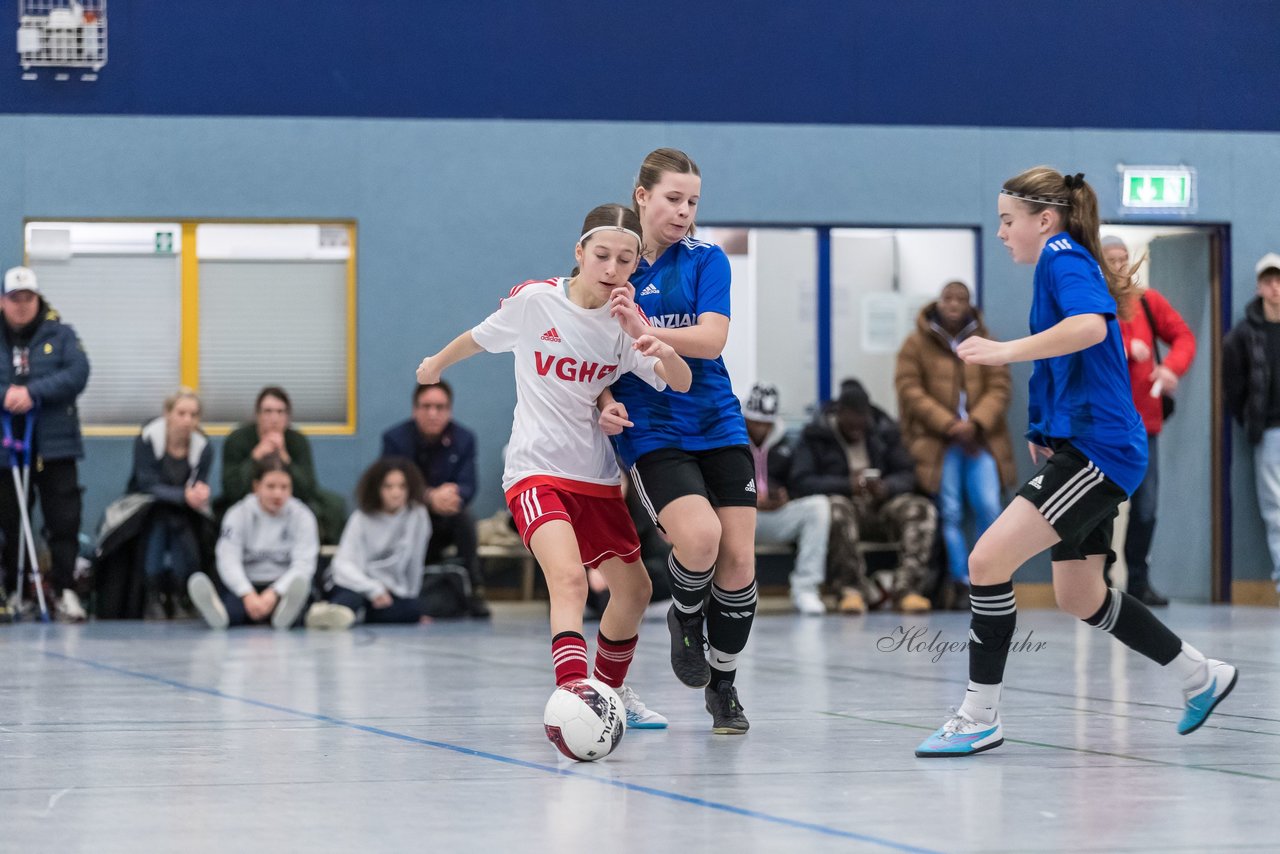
x,y
377,573
266,556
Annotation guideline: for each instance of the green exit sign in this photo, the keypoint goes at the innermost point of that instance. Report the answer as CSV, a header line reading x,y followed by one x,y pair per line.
x,y
1158,188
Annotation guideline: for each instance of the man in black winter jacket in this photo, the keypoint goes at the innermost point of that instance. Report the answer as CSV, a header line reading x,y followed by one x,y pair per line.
x,y
855,450
43,370
1251,379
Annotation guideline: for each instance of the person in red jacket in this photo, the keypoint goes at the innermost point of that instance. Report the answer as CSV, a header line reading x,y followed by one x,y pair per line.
x,y
1151,378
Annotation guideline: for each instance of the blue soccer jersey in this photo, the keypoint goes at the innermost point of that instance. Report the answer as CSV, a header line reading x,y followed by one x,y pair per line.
x,y
688,280
1084,397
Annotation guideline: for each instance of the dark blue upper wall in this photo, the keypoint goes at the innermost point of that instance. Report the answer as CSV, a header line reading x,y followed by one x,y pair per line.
x,y
1177,64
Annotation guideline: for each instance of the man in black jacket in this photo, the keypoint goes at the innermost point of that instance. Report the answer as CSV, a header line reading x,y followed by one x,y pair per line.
x,y
855,450
445,452
42,371
1251,378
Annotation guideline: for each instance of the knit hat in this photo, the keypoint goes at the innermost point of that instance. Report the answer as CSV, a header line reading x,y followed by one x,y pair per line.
x,y
761,404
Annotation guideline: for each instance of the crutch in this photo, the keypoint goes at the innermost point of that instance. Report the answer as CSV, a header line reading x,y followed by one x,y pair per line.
x,y
20,457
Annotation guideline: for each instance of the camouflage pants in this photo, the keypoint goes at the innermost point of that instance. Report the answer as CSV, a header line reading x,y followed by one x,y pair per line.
x,y
911,520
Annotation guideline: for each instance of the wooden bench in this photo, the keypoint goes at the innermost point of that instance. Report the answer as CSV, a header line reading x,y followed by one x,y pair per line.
x,y
518,553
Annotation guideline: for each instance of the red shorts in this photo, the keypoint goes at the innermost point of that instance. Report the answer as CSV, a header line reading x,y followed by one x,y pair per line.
x,y
597,513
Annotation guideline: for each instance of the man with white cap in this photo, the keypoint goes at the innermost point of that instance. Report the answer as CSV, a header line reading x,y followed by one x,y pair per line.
x,y
43,370
806,522
1251,379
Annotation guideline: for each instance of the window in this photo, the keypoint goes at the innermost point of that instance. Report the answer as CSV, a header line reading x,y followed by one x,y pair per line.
x,y
225,308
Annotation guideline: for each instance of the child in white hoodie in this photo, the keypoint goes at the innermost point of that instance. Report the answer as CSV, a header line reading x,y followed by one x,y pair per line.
x,y
266,556
377,573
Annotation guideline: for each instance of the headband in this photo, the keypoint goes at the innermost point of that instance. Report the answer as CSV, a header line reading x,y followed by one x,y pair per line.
x,y
1044,200
1071,182
589,232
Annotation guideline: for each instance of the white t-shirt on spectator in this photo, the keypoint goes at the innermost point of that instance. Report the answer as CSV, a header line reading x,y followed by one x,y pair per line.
x,y
566,355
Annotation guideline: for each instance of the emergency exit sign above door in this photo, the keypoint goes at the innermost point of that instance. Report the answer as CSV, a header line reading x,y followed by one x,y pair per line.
x,y
1154,189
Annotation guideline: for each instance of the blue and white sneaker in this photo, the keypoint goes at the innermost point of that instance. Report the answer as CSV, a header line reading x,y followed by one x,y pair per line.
x,y
961,736
1202,702
638,715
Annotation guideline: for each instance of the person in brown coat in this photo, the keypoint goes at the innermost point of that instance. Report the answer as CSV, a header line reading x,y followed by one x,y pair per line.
x,y
953,423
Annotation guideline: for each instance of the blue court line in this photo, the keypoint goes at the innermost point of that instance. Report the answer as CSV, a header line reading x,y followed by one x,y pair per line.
x,y
508,760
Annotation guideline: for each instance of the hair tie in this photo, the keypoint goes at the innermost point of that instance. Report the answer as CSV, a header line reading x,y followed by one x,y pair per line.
x,y
1073,181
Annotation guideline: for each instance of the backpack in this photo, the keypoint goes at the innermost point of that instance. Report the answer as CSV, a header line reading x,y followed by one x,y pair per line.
x,y
446,590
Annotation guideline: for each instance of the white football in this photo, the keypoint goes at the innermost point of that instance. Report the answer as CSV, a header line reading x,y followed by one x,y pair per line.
x,y
585,719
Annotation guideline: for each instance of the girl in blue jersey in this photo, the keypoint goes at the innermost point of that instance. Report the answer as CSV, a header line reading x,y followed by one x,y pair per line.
x,y
1082,422
687,454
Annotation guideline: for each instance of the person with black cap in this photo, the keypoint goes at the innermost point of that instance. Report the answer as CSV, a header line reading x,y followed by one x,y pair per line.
x,y
1251,378
43,371
806,521
855,450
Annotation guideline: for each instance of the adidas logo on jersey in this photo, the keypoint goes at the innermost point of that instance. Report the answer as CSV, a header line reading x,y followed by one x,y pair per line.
x,y
551,335
650,290
751,486
1037,481
1059,245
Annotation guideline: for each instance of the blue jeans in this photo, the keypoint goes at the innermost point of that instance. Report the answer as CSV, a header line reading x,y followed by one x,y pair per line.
x,y
1266,463
973,481
170,546
399,611
1142,523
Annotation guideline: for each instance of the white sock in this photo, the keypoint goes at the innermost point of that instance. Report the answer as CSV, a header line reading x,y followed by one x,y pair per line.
x,y
982,702
1191,667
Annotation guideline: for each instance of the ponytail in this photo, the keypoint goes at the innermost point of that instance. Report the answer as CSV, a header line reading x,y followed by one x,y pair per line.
x,y
1041,188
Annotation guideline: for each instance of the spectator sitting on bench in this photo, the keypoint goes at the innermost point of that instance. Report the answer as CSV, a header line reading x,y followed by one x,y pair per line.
x,y
804,521
270,434
171,461
854,450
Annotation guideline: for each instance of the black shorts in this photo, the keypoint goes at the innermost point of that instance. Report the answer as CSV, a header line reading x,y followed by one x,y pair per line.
x,y
1078,500
726,477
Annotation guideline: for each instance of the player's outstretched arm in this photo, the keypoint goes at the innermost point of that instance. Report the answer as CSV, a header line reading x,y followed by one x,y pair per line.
x,y
462,347
1069,335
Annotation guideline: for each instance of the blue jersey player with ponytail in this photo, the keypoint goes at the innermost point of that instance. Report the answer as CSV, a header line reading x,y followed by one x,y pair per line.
x,y
1083,424
687,455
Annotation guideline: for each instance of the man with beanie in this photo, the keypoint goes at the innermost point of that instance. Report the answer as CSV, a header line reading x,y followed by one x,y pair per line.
x,y
1251,379
806,522
855,450
43,370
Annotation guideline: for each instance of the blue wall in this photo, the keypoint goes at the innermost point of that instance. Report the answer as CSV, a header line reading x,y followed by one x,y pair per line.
x,y
1183,64
452,213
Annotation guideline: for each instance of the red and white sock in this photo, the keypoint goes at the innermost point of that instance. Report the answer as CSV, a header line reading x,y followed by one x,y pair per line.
x,y
569,657
613,658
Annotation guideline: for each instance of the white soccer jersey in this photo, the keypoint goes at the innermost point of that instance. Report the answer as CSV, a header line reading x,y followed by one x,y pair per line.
x,y
566,355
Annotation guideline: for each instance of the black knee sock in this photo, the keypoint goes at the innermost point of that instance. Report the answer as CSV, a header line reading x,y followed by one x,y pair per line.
x,y
1133,624
728,627
995,616
688,587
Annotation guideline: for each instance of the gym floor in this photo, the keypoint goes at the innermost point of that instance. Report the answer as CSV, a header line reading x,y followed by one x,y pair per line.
x,y
160,737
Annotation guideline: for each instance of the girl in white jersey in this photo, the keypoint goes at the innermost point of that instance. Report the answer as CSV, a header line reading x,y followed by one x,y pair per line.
x,y
561,479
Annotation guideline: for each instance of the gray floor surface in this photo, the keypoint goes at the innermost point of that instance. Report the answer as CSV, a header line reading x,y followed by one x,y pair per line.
x,y
139,737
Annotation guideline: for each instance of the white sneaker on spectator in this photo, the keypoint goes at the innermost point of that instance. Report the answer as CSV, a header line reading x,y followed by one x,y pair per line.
x,y
292,601
638,715
327,615
70,609
205,597
808,602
